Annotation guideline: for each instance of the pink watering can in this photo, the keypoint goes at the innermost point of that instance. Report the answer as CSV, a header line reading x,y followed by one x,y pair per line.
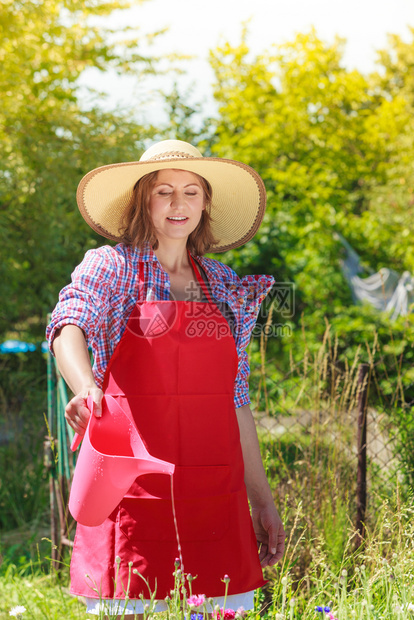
x,y
111,457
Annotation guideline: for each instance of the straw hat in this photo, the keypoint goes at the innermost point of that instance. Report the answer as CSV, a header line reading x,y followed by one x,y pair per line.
x,y
239,196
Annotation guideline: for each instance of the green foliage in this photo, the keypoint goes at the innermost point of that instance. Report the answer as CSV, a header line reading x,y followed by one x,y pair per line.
x,y
321,565
50,140
354,335
397,62
308,383
182,117
403,418
23,486
40,593
332,145
335,150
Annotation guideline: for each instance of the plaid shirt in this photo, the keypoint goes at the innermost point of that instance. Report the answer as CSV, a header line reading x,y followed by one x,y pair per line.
x,y
104,290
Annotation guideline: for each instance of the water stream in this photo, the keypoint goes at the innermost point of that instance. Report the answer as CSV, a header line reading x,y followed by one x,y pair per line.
x,y
176,525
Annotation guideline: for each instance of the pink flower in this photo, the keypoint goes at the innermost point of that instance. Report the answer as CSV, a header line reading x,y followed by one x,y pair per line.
x,y
228,614
196,600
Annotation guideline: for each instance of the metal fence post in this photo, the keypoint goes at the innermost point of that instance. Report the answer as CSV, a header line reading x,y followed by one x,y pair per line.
x,y
363,371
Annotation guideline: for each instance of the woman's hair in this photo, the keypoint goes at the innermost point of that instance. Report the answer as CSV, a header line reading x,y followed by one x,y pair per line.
x,y
137,226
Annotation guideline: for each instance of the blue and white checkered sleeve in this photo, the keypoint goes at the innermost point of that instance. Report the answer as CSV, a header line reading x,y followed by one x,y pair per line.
x,y
85,301
255,290
241,384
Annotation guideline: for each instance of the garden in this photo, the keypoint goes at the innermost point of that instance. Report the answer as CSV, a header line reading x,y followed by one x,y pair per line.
x,y
332,380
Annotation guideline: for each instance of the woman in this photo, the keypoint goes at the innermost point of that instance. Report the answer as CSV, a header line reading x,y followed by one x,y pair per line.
x,y
168,330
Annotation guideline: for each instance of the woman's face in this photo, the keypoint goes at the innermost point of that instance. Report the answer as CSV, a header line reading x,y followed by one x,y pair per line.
x,y
176,203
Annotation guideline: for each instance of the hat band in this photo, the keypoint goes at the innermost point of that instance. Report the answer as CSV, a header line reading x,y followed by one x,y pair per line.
x,y
170,155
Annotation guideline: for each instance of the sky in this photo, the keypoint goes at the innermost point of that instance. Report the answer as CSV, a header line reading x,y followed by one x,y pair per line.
x,y
195,27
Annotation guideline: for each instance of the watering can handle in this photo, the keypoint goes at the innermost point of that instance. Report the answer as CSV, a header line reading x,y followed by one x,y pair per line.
x,y
75,442
78,438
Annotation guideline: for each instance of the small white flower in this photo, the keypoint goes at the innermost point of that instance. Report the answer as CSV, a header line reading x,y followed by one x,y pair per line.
x,y
17,611
406,607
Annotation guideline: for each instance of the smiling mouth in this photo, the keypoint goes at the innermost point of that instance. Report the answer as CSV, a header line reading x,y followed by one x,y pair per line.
x,y
178,218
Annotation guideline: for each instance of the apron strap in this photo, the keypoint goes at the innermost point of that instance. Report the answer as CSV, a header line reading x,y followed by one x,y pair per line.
x,y
141,283
200,279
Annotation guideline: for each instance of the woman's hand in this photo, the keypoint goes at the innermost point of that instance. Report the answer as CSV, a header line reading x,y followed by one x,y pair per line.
x,y
270,534
77,413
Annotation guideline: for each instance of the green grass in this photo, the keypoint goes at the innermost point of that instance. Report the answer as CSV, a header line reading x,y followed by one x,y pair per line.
x,y
320,567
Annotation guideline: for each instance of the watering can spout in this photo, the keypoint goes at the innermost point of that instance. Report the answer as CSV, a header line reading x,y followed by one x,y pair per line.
x,y
154,466
112,456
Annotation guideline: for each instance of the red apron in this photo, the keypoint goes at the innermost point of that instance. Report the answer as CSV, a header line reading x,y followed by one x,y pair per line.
x,y
173,372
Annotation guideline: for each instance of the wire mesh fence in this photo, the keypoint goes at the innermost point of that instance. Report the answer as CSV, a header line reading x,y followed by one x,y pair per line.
x,y
352,417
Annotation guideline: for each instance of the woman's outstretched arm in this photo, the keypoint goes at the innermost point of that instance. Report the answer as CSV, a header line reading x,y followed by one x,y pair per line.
x,y
72,356
267,523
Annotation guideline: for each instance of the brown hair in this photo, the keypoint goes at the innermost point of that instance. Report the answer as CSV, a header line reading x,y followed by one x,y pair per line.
x,y
137,226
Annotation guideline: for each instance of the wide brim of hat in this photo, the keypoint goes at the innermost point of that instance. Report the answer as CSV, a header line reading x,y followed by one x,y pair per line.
x,y
239,196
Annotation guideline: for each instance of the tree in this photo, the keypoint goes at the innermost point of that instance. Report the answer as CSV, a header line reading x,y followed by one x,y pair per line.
x,y
50,140
388,221
322,138
396,76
